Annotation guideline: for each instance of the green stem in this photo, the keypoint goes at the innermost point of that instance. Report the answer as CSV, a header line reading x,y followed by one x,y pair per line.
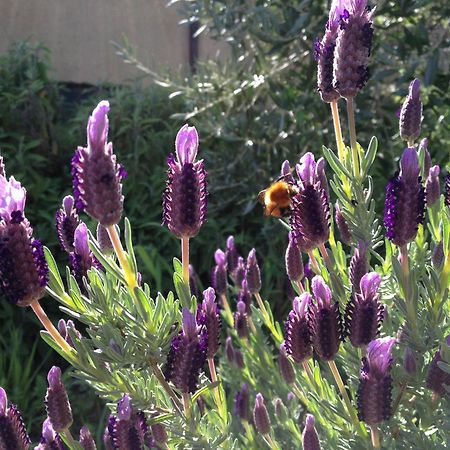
x,y
185,259
352,130
375,436
227,310
165,385
70,441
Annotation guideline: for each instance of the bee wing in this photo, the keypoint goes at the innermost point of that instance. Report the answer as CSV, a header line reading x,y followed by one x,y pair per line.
x,y
261,196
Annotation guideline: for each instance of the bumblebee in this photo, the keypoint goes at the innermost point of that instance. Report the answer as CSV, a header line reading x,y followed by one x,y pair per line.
x,y
277,198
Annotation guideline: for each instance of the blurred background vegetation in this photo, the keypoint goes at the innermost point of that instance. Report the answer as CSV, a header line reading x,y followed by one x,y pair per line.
x,y
253,109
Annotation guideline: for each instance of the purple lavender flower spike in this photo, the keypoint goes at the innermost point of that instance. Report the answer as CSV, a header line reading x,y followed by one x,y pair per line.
x,y
293,260
359,266
374,396
23,268
13,434
185,197
242,403
82,259
342,226
297,332
128,430
57,402
325,321
86,440
245,297
285,366
241,320
208,315
67,221
411,113
310,438
261,417
437,379
324,54
239,272
187,354
219,273
232,254
432,188
310,207
405,201
364,312
353,48
252,273
96,175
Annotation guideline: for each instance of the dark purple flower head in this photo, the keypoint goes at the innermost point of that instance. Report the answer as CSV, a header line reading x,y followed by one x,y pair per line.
x,y
432,188
232,254
128,429
310,207
324,53
96,175
208,315
261,417
405,201
374,396
447,190
159,433
186,195
252,273
297,332
13,434
86,440
187,354
242,403
57,402
310,438
437,379
285,366
82,259
324,320
23,268
341,223
219,273
353,47
241,320
67,221
411,113
364,312
293,259
359,265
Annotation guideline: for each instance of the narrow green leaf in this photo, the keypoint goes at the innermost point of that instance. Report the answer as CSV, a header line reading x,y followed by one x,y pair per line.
x,y
335,164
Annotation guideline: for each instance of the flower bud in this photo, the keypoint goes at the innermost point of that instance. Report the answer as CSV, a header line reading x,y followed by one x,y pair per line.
x,y
50,440
359,266
86,440
252,273
239,272
411,113
159,433
241,320
293,259
67,221
229,349
208,315
437,379
242,404
310,438
432,188
341,223
219,273
285,366
261,416
232,254
57,402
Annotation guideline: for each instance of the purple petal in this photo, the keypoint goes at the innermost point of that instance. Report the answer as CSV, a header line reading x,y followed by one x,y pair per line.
x,y
300,304
321,291
54,376
209,300
189,323
307,168
3,402
409,165
186,144
414,89
124,408
285,168
81,241
48,433
379,354
220,257
12,197
369,284
259,401
98,126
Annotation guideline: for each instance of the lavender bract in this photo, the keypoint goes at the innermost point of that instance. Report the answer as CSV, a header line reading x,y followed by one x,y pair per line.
x,y
86,440
186,195
96,175
241,320
285,366
261,417
310,438
208,315
252,273
432,189
219,273
405,201
293,260
50,439
242,403
359,266
374,396
23,268
342,226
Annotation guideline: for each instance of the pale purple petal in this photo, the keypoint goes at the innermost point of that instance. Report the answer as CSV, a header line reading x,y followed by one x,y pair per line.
x,y
300,304
48,433
68,203
285,168
307,168
259,400
220,257
414,89
189,323
186,144
369,284
81,241
98,127
379,355
209,300
321,291
3,402
12,197
54,376
409,165
124,408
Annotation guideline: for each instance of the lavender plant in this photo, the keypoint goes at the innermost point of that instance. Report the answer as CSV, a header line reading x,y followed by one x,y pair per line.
x,y
363,359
